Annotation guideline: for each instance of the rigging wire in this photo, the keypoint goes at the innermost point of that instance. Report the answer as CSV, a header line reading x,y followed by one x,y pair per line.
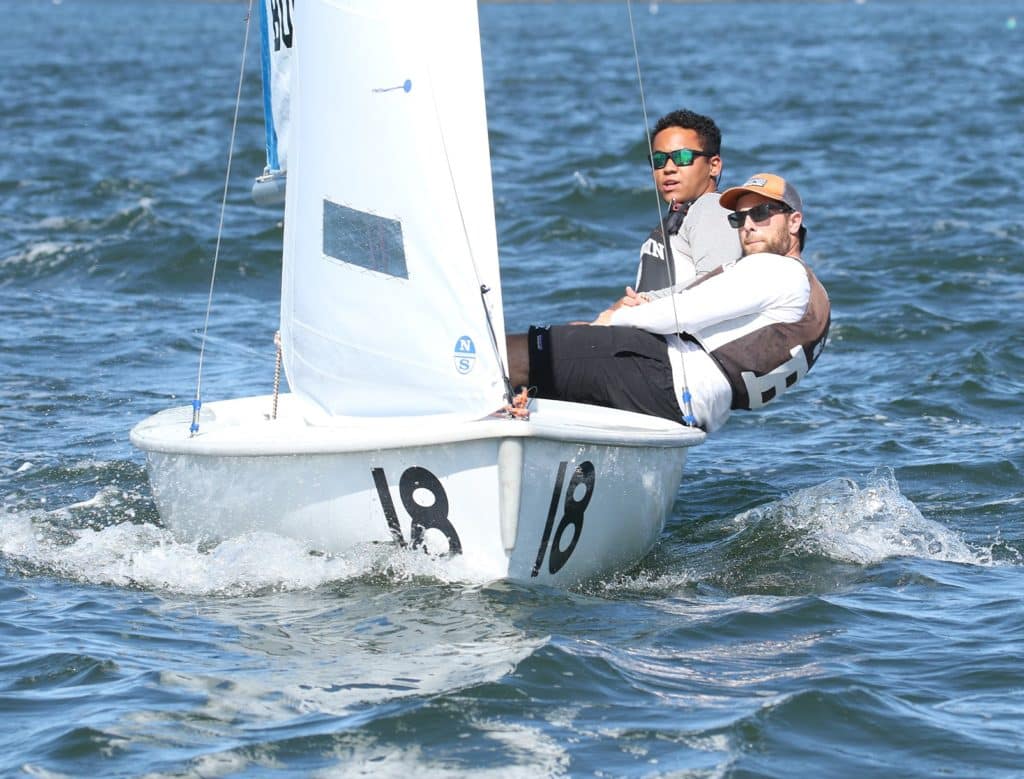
x,y
688,416
481,286
197,402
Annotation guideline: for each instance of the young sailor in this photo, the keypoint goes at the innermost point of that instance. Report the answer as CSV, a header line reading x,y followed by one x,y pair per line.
x,y
686,164
735,338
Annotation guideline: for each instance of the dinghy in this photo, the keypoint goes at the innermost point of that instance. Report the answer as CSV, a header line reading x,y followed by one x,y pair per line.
x,y
393,345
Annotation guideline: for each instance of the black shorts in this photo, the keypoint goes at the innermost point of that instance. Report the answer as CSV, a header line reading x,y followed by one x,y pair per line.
x,y
618,367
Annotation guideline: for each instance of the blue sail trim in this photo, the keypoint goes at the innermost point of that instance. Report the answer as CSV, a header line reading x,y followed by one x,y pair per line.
x,y
273,165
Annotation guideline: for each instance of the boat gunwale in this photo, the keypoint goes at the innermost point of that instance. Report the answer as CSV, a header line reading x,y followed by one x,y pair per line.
x,y
294,434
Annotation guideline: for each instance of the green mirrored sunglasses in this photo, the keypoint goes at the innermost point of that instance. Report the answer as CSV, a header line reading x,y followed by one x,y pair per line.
x,y
681,157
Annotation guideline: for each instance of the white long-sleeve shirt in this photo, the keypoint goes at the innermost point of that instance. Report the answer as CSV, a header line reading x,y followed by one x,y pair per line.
x,y
758,290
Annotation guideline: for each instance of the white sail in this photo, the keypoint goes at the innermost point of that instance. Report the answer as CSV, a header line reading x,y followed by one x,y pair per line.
x,y
277,34
389,217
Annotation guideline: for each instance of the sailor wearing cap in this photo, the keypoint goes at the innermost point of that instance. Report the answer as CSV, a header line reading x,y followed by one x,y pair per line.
x,y
734,339
767,193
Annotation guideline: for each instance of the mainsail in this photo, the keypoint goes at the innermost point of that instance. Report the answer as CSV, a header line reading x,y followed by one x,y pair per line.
x,y
389,217
276,39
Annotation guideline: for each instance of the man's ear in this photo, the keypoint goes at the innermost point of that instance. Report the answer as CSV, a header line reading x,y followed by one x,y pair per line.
x,y
795,220
716,166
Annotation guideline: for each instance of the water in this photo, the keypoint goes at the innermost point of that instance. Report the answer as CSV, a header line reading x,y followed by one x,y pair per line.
x,y
839,590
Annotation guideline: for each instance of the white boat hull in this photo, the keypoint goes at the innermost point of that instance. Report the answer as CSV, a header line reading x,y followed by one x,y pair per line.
x,y
572,494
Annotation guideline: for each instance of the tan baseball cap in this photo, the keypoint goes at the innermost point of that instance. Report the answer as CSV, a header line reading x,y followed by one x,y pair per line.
x,y
767,184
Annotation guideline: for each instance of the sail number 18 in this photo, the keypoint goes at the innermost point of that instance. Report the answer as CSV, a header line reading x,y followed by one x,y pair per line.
x,y
572,516
434,516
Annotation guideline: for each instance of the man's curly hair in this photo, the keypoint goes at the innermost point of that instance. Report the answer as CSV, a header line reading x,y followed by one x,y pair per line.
x,y
705,127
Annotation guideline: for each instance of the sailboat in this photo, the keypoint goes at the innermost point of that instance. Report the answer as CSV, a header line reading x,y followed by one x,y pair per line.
x,y
392,336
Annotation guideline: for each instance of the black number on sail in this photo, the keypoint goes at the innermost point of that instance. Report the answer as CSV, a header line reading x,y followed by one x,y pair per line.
x,y
281,22
424,517
572,516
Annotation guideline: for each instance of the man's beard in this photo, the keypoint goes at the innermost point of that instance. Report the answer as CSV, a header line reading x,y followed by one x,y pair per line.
x,y
778,242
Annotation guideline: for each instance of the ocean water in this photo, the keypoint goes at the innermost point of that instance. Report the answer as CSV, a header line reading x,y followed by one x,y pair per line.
x,y
839,590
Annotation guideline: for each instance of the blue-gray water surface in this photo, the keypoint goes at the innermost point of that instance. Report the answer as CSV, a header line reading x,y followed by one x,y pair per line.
x,y
838,591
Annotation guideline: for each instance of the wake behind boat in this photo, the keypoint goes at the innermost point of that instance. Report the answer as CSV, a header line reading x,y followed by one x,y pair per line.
x,y
393,340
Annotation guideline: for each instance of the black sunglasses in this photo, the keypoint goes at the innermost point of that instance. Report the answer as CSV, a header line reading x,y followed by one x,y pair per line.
x,y
758,213
681,157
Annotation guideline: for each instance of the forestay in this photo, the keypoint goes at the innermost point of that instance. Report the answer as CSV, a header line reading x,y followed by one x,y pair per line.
x,y
389,216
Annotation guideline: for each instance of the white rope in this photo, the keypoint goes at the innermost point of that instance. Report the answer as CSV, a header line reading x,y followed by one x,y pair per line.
x,y
197,402
688,411
277,373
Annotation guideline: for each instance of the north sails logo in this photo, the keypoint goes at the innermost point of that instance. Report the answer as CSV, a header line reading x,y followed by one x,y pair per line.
x,y
465,354
756,182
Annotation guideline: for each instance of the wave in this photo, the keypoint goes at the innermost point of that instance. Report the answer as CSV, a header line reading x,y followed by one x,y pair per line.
x,y
114,537
844,522
814,537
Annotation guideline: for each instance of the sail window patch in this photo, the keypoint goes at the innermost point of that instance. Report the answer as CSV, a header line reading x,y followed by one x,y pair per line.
x,y
369,241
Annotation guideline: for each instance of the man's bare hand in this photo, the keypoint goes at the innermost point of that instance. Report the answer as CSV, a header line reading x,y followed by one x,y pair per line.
x,y
631,298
